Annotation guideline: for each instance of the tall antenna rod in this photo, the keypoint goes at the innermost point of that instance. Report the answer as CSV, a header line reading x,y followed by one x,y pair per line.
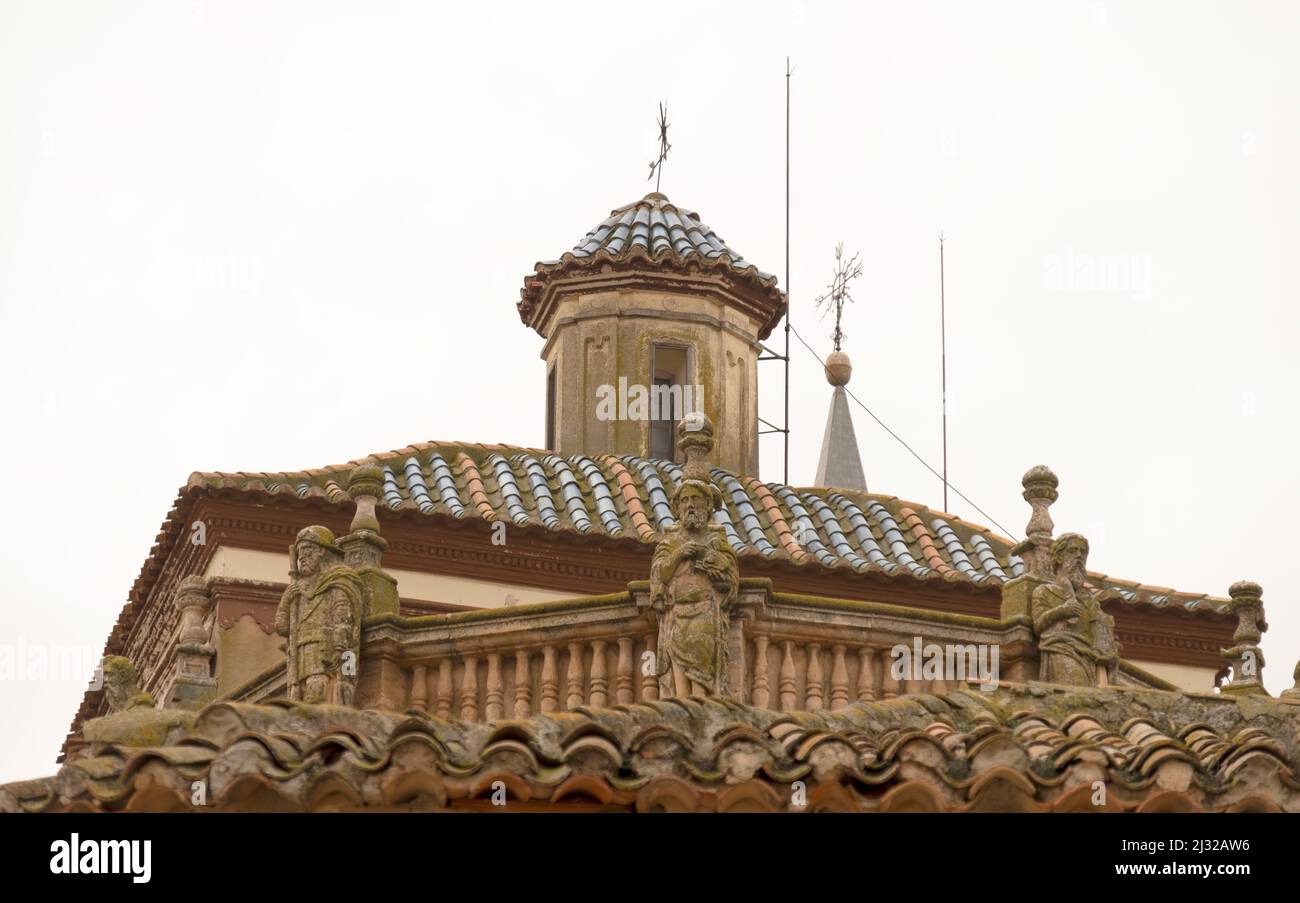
x,y
943,357
786,464
767,353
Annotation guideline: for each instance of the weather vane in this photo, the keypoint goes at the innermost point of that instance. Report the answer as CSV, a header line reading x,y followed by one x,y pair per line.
x,y
657,167
838,294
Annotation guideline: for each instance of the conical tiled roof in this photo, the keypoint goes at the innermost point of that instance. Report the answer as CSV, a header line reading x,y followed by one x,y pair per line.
x,y
657,232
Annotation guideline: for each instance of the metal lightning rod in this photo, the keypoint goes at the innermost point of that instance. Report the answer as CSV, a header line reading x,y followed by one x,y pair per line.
x,y
786,462
943,357
767,353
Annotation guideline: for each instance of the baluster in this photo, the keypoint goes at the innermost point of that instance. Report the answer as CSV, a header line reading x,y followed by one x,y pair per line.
x,y
574,698
650,682
761,695
420,688
495,707
786,684
814,691
523,685
469,690
444,688
599,694
839,679
550,681
623,685
889,685
866,674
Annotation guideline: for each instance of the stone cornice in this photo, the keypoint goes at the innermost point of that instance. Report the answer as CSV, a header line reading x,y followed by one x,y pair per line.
x,y
764,307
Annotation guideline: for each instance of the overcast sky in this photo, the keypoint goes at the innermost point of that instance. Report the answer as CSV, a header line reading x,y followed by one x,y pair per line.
x,y
239,236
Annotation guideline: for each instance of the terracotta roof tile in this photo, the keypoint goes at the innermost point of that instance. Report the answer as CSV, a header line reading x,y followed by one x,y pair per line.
x,y
1022,747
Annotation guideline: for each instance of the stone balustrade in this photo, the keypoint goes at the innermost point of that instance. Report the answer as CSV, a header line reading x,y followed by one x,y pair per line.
x,y
786,652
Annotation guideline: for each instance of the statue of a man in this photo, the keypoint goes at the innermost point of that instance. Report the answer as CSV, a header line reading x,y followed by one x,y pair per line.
x,y
320,613
694,579
1076,638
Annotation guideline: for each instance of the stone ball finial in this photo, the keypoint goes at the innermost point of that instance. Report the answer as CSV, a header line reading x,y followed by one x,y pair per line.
x,y
1040,482
1245,592
695,430
193,600
365,483
838,369
1247,603
365,479
192,593
695,442
193,585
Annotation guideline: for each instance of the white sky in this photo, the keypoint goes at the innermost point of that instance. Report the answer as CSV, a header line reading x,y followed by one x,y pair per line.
x,y
240,236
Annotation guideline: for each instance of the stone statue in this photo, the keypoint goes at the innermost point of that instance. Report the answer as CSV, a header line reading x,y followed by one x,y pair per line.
x,y
694,579
1076,638
134,719
121,688
320,612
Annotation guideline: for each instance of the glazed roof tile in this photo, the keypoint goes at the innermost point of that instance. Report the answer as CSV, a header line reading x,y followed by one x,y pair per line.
x,y
628,497
657,232
657,226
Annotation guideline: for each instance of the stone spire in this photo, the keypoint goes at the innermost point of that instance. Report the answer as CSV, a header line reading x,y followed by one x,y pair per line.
x,y
840,464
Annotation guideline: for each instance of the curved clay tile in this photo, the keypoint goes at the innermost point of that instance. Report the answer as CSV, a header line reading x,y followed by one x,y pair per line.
x,y
627,486
516,787
420,790
584,786
1001,790
928,549
474,483
912,796
750,796
667,794
773,510
1168,801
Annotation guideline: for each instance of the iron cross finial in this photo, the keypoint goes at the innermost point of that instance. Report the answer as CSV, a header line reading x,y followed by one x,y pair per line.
x,y
657,167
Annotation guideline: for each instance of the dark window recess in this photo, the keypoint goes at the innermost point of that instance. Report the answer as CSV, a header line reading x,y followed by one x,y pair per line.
x,y
669,382
550,409
661,429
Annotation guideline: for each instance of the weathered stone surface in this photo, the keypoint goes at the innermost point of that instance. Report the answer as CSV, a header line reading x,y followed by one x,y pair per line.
x,y
320,613
1023,747
1245,657
694,579
1076,639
